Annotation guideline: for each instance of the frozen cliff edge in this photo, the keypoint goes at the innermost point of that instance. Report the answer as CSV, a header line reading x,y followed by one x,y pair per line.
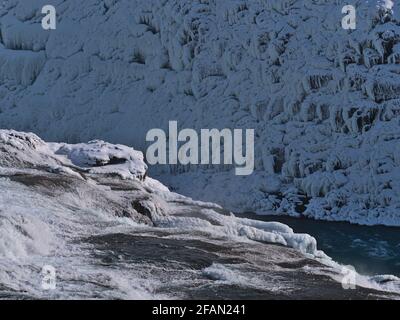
x,y
24,155
324,102
54,195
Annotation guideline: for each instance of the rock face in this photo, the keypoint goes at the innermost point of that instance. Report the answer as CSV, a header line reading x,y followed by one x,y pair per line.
x,y
324,101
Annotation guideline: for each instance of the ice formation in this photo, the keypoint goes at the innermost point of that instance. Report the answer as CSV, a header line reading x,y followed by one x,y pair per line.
x,y
24,154
56,203
324,101
49,205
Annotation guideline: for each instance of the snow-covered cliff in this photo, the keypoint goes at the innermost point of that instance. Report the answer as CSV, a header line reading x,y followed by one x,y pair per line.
x,y
324,101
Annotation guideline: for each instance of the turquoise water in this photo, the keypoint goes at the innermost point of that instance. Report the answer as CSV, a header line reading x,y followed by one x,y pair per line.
x,y
371,250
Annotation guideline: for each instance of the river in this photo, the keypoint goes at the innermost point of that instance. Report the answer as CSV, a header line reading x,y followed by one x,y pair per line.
x,y
371,250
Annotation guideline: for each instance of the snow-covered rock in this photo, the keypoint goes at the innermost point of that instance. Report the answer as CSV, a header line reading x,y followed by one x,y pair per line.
x,y
324,101
105,233
28,150
27,159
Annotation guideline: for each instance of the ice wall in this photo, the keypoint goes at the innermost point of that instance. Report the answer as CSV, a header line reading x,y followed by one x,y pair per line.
x,y
324,101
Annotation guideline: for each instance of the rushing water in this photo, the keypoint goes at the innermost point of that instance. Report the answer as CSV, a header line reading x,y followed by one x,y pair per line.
x,y
371,250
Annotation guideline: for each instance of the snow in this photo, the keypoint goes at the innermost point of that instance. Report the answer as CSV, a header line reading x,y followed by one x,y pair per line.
x,y
242,230
21,67
21,151
17,35
101,157
324,102
96,157
51,200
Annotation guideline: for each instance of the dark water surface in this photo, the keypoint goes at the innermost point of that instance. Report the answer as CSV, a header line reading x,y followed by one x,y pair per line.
x,y
371,250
